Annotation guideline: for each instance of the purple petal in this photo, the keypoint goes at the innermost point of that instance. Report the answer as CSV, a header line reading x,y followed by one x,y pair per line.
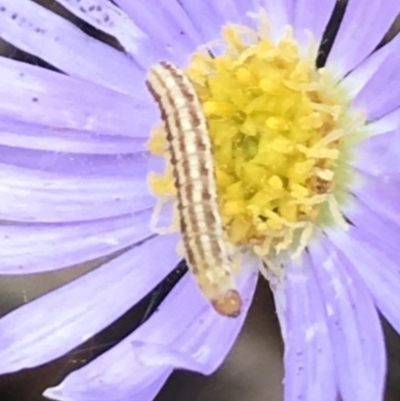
x,y
41,196
354,325
160,355
38,31
314,21
309,369
381,195
379,154
377,97
357,79
209,27
208,17
166,23
39,96
380,233
53,324
32,248
117,382
238,10
378,268
40,137
373,224
106,17
361,30
280,13
388,123
193,340
122,166
188,337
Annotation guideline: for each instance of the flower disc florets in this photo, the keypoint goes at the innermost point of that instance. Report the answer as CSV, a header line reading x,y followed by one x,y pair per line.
x,y
280,132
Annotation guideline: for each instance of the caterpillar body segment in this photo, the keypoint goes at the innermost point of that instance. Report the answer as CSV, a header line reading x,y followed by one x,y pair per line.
x,y
191,160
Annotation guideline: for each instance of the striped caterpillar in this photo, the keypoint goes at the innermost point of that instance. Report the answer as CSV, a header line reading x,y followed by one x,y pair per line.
x,y
191,159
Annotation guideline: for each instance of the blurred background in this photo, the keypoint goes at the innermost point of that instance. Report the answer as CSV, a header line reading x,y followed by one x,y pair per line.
x,y
253,370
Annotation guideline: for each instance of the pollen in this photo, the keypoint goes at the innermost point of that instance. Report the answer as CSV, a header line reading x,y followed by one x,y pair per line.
x,y
280,131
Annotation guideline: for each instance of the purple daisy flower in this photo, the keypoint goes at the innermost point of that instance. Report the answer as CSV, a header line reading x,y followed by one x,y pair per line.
x,y
74,163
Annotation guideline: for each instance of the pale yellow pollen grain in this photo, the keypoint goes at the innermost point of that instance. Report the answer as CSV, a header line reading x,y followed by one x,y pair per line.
x,y
157,143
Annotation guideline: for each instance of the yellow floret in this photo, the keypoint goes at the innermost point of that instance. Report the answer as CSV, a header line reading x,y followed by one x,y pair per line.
x,y
277,127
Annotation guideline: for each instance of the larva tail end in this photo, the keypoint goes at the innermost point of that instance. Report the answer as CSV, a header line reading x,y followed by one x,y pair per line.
x,y
228,304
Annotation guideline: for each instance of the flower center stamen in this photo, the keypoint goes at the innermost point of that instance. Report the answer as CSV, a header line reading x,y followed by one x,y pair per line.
x,y
277,128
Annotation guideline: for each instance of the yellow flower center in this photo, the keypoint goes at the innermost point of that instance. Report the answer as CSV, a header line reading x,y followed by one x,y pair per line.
x,y
281,132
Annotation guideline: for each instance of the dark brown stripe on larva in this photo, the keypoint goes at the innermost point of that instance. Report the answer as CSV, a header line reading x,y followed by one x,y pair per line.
x,y
193,220
173,160
204,172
